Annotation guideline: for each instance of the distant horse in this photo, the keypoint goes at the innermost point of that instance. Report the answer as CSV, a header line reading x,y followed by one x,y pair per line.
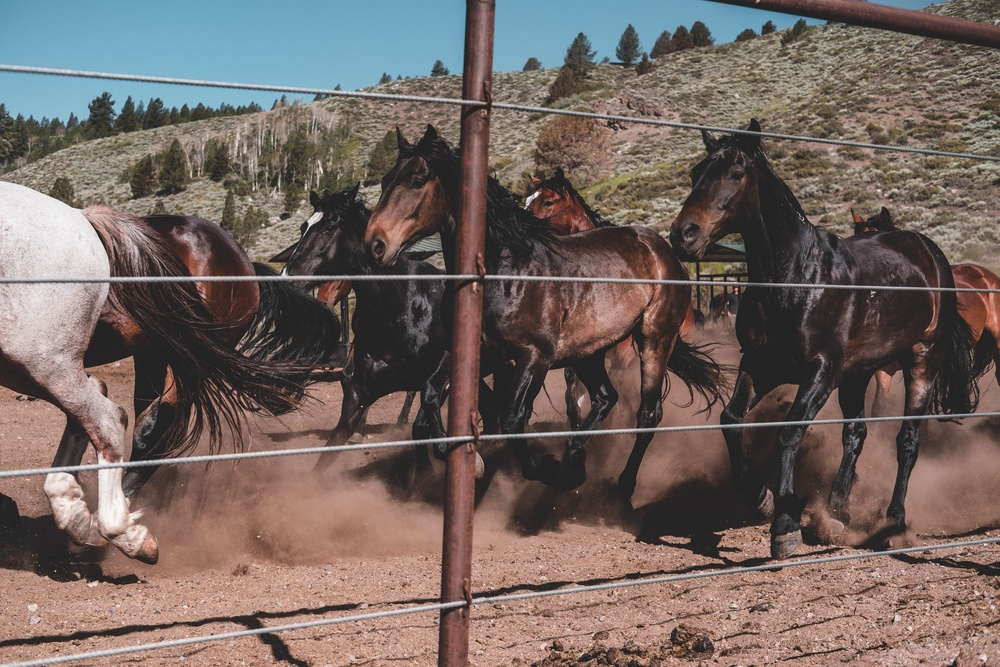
x,y
980,310
530,327
400,338
820,339
724,306
51,331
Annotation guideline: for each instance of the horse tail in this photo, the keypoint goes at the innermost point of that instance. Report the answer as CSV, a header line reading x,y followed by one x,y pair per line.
x,y
982,354
292,326
955,390
699,372
218,382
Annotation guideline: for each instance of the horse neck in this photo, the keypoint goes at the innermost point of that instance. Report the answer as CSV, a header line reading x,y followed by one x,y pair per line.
x,y
778,237
579,221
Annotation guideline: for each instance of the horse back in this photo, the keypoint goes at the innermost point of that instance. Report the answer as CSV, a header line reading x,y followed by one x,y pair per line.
x,y
981,310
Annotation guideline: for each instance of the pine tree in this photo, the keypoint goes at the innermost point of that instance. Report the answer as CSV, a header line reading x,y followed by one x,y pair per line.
x,y
768,28
127,120
382,158
174,174
565,85
645,65
663,45
228,220
746,35
682,39
159,208
532,65
385,78
155,116
580,57
794,33
629,49
249,226
101,122
217,165
439,69
701,35
62,189
144,178
6,124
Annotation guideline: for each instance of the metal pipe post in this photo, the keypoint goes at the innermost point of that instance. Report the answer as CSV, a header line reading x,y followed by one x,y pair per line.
x,y
459,502
872,15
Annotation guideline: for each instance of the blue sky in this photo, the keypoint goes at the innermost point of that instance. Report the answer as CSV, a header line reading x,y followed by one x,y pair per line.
x,y
307,43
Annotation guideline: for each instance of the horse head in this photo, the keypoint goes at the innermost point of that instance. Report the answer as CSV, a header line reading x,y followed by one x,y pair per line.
x,y
555,201
414,202
325,243
723,186
877,223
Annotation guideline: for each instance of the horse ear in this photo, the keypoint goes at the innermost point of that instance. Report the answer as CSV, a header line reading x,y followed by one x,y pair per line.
x,y
401,143
857,218
354,191
711,143
884,216
430,134
751,142
285,254
314,199
559,175
535,180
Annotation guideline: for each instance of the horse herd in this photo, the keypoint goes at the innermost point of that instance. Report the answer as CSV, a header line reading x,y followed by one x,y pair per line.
x,y
208,351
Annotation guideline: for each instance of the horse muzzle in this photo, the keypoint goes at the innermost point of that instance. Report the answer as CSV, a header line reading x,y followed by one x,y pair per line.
x,y
688,240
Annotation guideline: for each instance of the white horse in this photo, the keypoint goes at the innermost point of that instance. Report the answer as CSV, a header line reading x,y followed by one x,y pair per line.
x,y
49,329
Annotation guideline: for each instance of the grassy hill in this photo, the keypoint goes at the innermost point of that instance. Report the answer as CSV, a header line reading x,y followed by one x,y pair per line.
x,y
835,82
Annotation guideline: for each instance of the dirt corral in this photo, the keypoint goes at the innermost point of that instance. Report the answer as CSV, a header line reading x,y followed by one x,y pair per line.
x,y
268,543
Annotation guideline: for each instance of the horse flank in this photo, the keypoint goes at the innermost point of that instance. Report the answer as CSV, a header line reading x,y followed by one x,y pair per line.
x,y
220,383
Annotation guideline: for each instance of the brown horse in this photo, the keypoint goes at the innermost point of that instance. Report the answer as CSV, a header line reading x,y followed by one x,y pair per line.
x,y
557,202
822,338
980,310
531,326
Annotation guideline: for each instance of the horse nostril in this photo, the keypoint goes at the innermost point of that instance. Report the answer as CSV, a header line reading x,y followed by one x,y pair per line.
x,y
691,233
378,249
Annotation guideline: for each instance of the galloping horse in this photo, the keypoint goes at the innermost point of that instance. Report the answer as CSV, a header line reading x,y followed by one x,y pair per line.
x,y
819,338
189,374
530,327
980,310
557,202
400,337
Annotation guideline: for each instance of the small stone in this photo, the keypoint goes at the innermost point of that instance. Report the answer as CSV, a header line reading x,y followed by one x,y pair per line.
x,y
601,635
558,645
897,618
32,608
35,620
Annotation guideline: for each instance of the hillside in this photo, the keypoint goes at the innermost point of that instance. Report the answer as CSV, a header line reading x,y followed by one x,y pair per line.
x,y
836,82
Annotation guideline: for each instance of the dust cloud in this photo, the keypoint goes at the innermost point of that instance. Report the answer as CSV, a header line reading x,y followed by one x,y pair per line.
x,y
368,504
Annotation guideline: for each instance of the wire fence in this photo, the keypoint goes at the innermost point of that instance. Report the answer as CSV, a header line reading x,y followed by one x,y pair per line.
x,y
486,438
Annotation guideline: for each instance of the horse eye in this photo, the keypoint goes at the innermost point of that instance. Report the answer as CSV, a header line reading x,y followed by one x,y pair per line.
x,y
547,204
736,175
417,184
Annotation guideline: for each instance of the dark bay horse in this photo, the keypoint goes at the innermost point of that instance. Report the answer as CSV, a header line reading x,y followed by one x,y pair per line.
x,y
185,355
400,340
820,339
980,310
530,327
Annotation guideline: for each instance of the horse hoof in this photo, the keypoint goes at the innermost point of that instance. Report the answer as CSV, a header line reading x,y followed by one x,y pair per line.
x,y
10,518
784,546
545,470
82,529
149,552
766,507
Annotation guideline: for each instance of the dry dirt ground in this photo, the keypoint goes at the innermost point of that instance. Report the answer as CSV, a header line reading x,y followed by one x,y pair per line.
x,y
268,543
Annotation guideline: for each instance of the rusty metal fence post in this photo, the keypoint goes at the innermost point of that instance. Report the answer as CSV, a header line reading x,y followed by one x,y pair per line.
x,y
459,503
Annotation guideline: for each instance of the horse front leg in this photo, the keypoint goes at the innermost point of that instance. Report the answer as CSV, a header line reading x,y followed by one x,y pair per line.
x,y
353,411
786,529
518,388
574,398
746,394
603,397
852,405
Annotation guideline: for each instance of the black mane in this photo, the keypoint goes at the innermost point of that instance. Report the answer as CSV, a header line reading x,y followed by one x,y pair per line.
x,y
758,156
350,205
559,182
508,225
